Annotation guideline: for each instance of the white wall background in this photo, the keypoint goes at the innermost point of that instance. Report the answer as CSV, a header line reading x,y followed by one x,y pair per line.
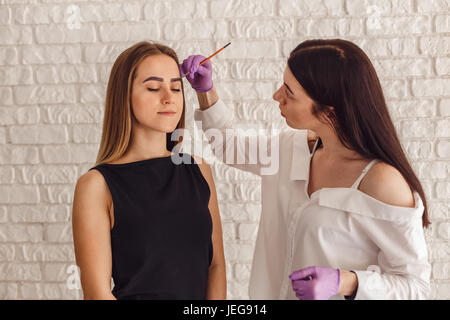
x,y
55,59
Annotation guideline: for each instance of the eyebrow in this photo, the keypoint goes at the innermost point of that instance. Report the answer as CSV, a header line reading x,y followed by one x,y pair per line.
x,y
161,79
288,88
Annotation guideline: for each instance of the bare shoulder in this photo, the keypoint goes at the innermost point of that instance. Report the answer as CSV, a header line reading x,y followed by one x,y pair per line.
x,y
91,190
92,180
386,184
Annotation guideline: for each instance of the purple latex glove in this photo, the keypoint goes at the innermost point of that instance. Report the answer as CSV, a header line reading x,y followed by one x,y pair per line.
x,y
200,76
315,283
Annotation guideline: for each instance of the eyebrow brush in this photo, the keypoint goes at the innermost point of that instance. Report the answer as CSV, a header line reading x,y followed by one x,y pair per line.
x,y
203,61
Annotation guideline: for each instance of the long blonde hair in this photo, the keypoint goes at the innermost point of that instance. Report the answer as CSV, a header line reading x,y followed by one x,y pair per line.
x,y
117,124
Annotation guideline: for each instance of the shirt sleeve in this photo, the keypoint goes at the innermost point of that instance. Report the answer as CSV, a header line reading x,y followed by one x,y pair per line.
x,y
403,270
247,149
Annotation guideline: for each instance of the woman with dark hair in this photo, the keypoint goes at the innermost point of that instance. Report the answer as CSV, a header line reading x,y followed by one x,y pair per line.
x,y
139,215
343,217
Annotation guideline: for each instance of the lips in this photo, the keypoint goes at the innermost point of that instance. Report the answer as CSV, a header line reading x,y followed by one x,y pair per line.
x,y
167,113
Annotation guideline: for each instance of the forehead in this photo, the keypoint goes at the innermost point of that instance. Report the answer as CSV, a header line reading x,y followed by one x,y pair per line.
x,y
288,74
158,65
290,79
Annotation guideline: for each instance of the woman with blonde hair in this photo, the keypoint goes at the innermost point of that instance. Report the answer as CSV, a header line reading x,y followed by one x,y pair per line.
x,y
150,222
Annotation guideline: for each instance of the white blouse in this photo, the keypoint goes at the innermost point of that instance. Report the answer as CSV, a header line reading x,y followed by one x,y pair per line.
x,y
341,228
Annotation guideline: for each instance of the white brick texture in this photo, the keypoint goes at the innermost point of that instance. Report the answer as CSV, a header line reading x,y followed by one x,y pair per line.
x,y
55,59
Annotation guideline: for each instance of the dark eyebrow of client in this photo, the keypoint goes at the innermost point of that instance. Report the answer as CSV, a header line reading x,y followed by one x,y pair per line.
x,y
161,79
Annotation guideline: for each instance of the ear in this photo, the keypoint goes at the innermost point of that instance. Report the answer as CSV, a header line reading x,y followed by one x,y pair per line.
x,y
330,112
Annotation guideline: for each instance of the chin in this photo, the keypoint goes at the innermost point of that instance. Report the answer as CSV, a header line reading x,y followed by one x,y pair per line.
x,y
168,130
294,126
166,126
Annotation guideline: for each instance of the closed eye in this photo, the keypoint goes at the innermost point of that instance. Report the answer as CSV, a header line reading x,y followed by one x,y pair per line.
x,y
150,89
287,92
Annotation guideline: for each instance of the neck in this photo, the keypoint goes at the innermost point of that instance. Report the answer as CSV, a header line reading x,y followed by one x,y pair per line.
x,y
333,149
146,144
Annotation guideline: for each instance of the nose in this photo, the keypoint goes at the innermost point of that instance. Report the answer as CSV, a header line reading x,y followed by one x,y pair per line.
x,y
167,96
276,95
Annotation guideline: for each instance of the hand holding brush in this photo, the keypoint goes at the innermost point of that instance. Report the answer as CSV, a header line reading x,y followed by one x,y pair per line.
x,y
198,71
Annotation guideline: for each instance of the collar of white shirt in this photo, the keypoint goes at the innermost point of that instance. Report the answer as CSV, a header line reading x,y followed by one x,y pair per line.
x,y
358,202
300,156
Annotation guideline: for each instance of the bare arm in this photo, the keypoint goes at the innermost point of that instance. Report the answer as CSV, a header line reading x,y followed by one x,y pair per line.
x,y
349,283
91,236
207,99
217,283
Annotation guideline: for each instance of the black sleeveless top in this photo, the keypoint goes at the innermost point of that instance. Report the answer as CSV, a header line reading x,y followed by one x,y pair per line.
x,y
161,238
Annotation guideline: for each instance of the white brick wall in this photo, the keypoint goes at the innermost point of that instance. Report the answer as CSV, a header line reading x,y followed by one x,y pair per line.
x,y
53,77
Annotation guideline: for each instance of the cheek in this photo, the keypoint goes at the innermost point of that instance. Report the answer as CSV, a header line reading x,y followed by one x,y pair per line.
x,y
143,104
298,110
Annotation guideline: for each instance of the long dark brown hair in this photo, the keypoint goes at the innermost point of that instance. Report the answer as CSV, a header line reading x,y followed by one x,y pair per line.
x,y
338,73
117,121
